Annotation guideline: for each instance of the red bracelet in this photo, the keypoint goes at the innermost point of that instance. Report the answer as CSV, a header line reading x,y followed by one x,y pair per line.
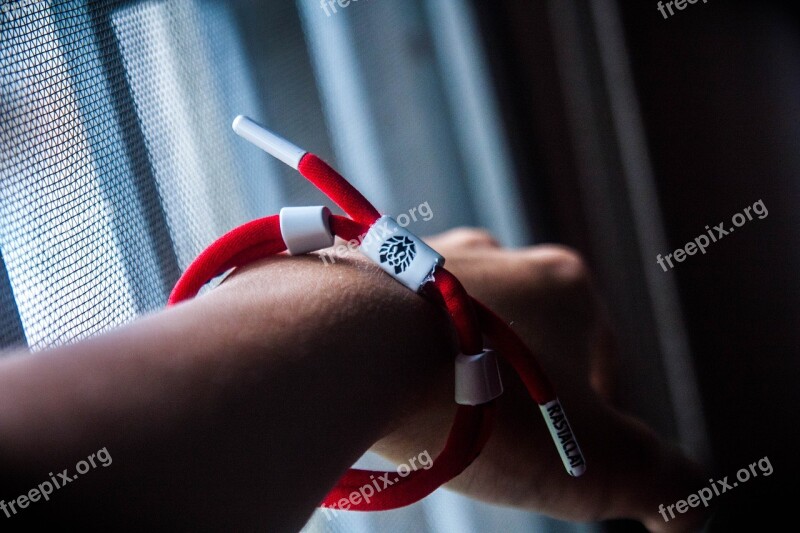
x,y
405,257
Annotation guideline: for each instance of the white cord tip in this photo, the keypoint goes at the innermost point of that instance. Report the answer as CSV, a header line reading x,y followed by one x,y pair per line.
x,y
564,439
271,143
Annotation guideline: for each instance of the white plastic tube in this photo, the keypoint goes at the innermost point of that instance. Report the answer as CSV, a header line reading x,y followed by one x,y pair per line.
x,y
271,143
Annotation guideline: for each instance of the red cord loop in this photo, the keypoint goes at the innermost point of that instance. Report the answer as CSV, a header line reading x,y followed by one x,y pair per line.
x,y
338,189
471,320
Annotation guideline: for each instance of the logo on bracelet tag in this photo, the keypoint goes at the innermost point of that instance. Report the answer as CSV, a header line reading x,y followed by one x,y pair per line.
x,y
398,252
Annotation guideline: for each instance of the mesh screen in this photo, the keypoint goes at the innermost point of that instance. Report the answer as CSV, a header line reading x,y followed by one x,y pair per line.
x,y
116,160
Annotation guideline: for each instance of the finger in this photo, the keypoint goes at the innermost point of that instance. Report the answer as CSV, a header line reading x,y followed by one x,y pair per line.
x,y
462,239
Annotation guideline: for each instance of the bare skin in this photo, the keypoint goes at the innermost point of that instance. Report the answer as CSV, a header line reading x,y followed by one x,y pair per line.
x,y
241,408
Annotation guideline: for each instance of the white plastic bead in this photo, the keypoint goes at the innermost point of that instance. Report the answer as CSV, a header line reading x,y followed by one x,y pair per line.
x,y
306,229
400,253
477,378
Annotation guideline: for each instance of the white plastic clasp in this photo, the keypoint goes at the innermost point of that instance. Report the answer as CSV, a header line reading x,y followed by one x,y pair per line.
x,y
477,378
306,229
564,439
400,253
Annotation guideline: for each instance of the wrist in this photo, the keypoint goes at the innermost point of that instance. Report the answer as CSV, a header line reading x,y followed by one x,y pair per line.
x,y
381,348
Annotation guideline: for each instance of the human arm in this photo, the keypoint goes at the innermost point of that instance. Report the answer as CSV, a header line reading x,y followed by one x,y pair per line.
x,y
242,407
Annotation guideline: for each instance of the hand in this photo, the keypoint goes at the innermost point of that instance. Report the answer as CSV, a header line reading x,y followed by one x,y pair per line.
x,y
545,293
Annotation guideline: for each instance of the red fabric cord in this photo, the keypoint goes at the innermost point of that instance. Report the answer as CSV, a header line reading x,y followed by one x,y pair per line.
x,y
347,229
213,260
245,244
513,350
471,429
472,425
338,189
458,304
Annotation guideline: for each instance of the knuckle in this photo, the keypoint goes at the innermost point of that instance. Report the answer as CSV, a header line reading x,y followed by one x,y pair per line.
x,y
559,280
472,237
561,265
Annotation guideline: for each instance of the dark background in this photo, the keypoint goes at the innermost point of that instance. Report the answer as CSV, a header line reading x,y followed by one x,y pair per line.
x,y
718,87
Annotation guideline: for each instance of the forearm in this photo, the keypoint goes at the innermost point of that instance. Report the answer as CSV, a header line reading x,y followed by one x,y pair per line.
x,y
243,405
